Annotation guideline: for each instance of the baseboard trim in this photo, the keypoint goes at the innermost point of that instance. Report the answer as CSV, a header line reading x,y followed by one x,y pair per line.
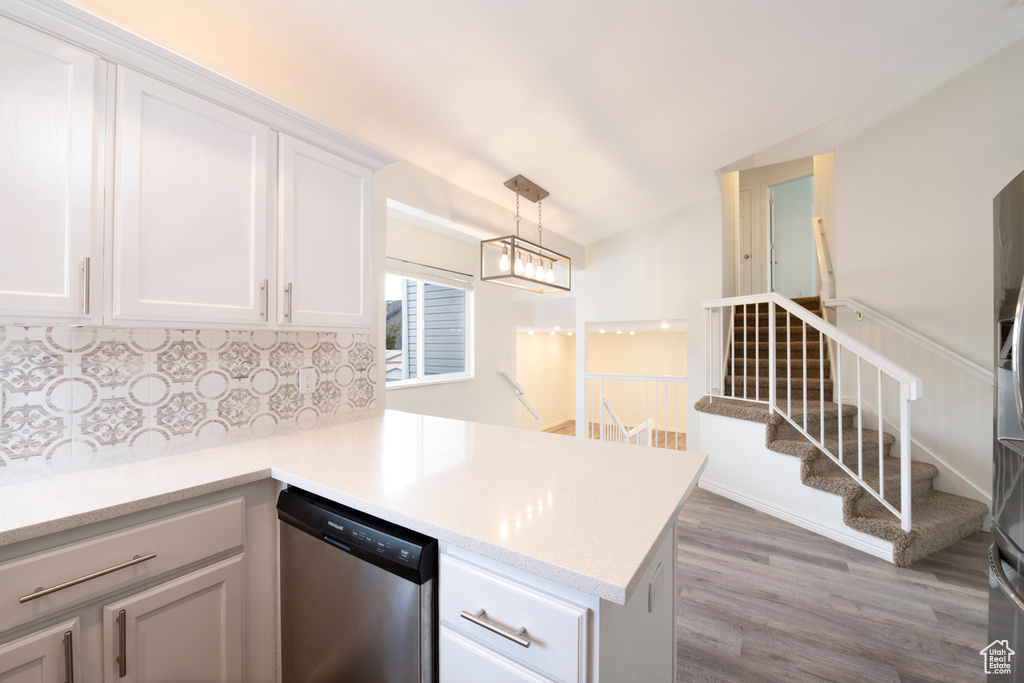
x,y
875,547
556,425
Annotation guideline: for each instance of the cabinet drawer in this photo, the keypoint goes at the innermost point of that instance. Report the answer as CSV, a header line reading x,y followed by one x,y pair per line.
x,y
178,541
556,629
464,660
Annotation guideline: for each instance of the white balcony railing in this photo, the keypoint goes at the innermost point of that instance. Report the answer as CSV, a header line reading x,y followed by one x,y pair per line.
x,y
527,416
754,362
646,410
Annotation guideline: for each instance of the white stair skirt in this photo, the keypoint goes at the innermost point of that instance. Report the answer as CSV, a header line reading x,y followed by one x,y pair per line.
x,y
741,468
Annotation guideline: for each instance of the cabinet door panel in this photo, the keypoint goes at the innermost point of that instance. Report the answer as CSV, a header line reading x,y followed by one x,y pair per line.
x,y
187,629
40,657
48,134
324,238
191,218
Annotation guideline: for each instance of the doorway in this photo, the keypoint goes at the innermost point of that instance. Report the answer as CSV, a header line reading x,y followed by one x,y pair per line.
x,y
791,254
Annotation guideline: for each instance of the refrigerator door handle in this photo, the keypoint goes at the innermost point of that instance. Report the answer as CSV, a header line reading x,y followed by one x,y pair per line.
x,y
995,562
1016,346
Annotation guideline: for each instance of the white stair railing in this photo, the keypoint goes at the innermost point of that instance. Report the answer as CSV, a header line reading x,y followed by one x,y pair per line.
x,y
629,402
735,371
612,429
527,416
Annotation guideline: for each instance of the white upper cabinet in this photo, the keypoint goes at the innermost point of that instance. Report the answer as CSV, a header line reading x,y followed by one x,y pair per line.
x,y
324,230
192,214
50,209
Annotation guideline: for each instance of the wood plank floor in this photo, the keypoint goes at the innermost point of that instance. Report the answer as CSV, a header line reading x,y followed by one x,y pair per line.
x,y
662,438
763,600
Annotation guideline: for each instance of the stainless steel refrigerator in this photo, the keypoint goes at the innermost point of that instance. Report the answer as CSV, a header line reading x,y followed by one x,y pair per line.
x,y
1004,657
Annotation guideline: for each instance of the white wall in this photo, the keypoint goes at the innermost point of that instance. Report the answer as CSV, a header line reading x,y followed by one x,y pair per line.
x,y
914,236
545,367
661,270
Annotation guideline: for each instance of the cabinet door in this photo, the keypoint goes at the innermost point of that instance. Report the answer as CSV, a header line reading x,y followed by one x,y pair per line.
x,y
466,661
187,629
324,238
192,216
46,656
49,137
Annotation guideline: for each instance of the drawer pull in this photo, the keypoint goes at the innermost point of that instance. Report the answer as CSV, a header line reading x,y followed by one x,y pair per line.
x,y
478,619
41,592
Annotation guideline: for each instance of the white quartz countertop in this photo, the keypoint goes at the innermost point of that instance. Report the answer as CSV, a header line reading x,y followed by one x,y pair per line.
x,y
582,513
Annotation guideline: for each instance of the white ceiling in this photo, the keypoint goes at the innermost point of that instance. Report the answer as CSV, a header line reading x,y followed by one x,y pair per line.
x,y
623,110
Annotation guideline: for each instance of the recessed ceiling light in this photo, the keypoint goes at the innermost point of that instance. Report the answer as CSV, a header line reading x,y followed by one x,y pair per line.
x,y
618,331
557,328
601,331
664,326
632,332
569,333
530,332
552,334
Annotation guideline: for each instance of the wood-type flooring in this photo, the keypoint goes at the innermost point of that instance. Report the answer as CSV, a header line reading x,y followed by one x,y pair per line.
x,y
763,600
662,438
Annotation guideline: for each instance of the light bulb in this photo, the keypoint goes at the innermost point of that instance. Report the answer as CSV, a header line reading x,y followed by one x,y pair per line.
x,y
504,264
519,264
550,277
529,268
540,270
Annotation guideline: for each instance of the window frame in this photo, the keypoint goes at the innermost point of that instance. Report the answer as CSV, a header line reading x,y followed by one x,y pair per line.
x,y
423,274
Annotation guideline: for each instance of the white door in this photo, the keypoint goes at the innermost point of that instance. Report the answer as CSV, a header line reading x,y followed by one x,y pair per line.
x,y
187,629
192,208
324,237
745,271
49,136
46,656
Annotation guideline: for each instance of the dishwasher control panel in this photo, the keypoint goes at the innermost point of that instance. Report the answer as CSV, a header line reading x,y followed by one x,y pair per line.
x,y
401,551
369,539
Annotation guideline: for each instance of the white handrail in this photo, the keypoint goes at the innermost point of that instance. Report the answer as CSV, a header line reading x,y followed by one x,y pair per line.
x,y
520,394
824,260
969,366
798,412
512,381
642,378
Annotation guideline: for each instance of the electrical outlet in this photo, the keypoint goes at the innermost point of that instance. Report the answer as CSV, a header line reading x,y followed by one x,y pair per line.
x,y
307,380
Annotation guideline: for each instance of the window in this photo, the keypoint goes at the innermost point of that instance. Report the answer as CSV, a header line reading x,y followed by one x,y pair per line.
x,y
427,326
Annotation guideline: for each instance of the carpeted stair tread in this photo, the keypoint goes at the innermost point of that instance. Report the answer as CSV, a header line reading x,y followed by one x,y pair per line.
x,y
727,407
840,483
938,520
800,447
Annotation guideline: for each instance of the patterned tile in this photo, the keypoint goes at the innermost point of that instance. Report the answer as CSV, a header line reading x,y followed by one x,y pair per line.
x,y
239,359
182,361
28,365
83,393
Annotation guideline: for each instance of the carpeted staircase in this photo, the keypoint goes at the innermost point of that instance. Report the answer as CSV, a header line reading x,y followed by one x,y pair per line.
x,y
938,519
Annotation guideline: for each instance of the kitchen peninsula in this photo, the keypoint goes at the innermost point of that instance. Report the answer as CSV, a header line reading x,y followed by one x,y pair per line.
x,y
589,523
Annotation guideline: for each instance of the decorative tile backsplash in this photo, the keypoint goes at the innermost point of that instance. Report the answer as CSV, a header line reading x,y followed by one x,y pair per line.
x,y
80,391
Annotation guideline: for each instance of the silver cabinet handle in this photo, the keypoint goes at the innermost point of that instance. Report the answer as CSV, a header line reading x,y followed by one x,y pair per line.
x,y
69,658
40,592
86,285
477,618
122,656
995,563
288,305
264,296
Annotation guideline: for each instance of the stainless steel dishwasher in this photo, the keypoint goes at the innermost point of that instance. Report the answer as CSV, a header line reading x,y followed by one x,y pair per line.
x,y
358,595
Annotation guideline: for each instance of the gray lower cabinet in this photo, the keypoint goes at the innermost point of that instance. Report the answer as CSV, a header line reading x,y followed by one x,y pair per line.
x,y
44,656
186,629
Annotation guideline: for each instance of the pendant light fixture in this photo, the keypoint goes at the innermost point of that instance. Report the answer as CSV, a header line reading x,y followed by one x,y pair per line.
x,y
516,262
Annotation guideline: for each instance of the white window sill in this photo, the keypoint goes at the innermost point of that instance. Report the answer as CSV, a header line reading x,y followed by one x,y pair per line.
x,y
409,383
